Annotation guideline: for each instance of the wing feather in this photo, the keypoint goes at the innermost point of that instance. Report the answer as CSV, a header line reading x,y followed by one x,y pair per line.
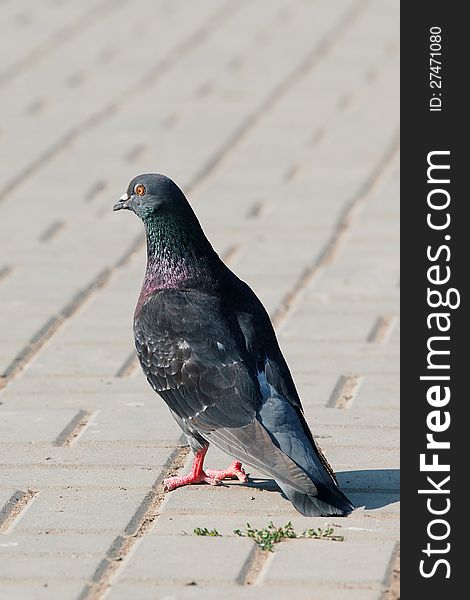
x,y
193,357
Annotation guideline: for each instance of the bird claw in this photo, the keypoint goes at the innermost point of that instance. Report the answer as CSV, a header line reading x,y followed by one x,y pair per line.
x,y
213,481
172,483
211,477
234,471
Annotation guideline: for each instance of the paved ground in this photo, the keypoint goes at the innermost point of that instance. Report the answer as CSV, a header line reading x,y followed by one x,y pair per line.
x,y
279,118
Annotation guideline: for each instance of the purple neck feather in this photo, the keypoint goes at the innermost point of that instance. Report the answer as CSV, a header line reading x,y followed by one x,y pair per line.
x,y
179,257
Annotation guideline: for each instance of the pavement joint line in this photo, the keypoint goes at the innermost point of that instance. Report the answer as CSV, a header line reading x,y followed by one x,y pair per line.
x,y
345,391
79,467
338,237
37,106
6,271
372,74
391,582
129,366
368,490
254,565
204,90
319,51
140,86
105,443
232,254
38,581
257,209
101,444
52,325
292,172
83,295
52,231
14,509
58,38
376,448
236,63
140,524
76,79
171,120
346,101
318,135
95,190
75,428
132,250
29,351
135,152
382,329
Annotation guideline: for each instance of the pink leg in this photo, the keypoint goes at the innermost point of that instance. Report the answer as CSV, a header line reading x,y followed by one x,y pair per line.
x,y
198,475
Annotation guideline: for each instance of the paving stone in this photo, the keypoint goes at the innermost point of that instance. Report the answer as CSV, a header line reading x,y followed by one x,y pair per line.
x,y
31,567
41,589
340,562
188,559
45,544
83,508
33,425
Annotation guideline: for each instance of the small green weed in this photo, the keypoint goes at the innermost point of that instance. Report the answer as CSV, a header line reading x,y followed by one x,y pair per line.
x,y
323,534
268,536
205,531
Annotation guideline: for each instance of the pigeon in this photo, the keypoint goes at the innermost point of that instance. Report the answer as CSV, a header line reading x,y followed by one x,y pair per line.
x,y
207,347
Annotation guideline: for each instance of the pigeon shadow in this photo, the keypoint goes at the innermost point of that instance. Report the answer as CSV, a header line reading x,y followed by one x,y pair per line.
x,y
371,488
368,488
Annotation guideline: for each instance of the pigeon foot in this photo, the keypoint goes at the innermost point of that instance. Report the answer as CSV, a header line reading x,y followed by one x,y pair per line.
x,y
175,482
234,471
198,475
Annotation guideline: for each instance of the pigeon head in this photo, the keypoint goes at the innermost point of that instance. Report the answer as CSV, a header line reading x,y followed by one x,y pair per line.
x,y
178,252
152,194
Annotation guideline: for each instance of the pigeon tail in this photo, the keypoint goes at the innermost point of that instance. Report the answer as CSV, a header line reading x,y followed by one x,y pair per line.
x,y
311,506
310,493
289,431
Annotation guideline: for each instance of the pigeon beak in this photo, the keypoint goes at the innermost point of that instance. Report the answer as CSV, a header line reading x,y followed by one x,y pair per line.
x,y
123,202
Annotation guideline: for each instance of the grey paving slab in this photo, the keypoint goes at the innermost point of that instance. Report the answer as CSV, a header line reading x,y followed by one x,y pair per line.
x,y
43,588
330,562
33,425
45,544
188,559
78,508
14,567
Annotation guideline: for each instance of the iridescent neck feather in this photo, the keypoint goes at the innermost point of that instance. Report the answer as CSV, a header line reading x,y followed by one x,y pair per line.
x,y
179,256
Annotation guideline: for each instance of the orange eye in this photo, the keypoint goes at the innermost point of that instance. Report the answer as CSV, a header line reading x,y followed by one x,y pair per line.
x,y
140,190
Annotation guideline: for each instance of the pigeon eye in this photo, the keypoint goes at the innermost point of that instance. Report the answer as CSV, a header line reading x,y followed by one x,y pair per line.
x,y
140,190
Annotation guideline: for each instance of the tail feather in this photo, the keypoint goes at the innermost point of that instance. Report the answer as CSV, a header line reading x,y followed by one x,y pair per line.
x,y
252,445
312,494
290,432
311,506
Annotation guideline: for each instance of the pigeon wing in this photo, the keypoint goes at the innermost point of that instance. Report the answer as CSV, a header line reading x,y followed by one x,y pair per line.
x,y
192,355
